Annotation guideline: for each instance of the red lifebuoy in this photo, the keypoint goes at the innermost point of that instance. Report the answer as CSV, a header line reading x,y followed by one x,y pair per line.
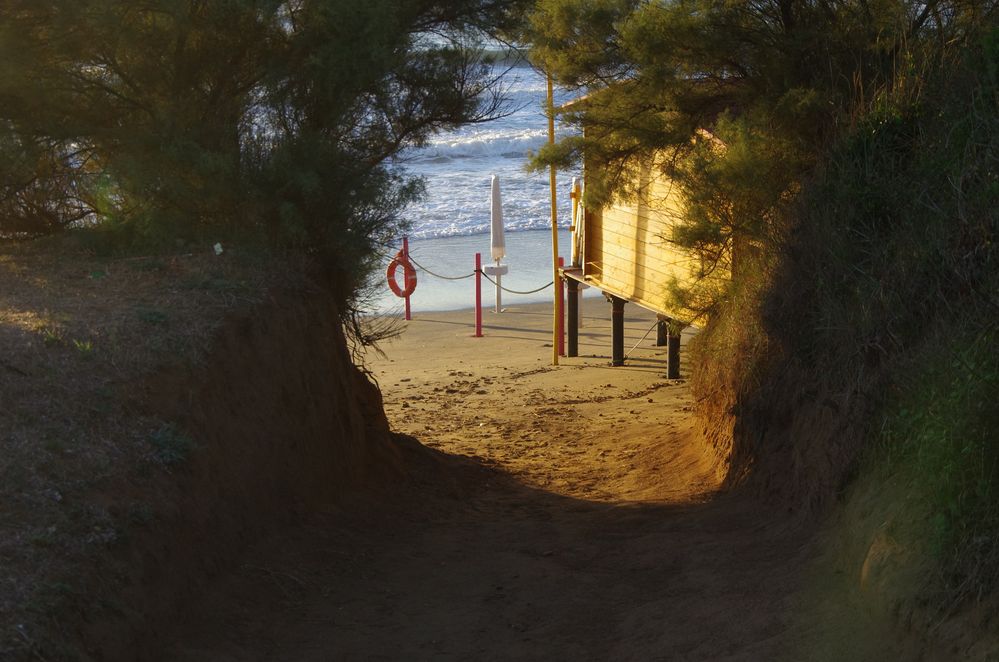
x,y
409,275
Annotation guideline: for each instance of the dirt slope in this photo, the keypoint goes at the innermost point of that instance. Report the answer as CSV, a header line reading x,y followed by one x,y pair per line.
x,y
557,514
566,513
156,419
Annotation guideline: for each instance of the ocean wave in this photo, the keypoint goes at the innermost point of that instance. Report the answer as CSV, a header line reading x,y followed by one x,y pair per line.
x,y
457,230
463,227
457,167
487,144
457,201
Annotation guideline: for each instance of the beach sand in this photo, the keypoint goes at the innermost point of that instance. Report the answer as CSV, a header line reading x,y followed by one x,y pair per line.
x,y
498,398
543,513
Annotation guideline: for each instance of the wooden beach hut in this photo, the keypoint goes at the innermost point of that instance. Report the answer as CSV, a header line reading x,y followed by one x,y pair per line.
x,y
626,250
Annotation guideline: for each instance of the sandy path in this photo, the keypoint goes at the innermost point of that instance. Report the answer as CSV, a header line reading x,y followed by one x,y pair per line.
x,y
561,514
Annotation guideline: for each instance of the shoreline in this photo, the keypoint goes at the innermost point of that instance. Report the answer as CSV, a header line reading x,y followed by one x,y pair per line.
x,y
445,268
519,336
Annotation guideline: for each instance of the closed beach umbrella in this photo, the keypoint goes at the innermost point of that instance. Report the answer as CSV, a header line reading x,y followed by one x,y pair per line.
x,y
497,243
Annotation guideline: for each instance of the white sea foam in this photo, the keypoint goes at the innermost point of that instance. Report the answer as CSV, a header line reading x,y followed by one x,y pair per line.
x,y
451,223
457,167
499,142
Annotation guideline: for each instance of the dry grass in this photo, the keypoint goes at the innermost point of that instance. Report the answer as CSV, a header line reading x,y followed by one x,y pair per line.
x,y
78,337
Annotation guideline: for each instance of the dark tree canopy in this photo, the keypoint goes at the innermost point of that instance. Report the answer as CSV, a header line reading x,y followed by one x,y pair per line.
x,y
774,81
274,119
846,152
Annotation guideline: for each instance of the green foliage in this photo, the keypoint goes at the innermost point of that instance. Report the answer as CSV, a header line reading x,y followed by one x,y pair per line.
x,y
900,223
775,82
945,427
881,293
270,122
562,154
578,41
841,159
85,348
52,337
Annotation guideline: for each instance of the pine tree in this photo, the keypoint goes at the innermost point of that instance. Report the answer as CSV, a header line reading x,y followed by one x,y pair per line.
x,y
775,81
269,120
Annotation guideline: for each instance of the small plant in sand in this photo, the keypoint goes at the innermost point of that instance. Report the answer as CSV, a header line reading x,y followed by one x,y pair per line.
x,y
85,348
50,336
171,446
152,316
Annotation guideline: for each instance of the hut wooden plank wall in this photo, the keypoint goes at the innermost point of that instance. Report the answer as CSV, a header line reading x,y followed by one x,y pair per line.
x,y
625,250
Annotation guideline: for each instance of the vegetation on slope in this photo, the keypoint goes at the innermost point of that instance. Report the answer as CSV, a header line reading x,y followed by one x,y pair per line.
x,y
894,252
858,186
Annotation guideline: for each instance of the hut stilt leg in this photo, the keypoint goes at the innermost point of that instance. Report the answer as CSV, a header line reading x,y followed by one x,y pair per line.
x,y
617,330
572,305
673,354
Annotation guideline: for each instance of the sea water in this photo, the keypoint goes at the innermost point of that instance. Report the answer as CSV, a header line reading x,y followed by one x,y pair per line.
x,y
451,223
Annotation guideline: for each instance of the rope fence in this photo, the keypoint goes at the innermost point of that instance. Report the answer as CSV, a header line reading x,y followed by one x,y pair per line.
x,y
654,325
543,287
387,257
413,260
480,273
411,265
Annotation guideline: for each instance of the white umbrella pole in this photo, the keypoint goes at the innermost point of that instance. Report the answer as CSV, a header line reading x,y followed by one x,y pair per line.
x,y
496,239
499,291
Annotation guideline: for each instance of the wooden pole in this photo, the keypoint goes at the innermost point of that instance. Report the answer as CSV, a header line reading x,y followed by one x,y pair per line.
x,y
573,309
478,295
561,313
554,204
405,253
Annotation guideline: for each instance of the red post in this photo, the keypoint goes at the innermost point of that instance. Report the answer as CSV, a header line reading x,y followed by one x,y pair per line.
x,y
478,295
405,252
561,318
